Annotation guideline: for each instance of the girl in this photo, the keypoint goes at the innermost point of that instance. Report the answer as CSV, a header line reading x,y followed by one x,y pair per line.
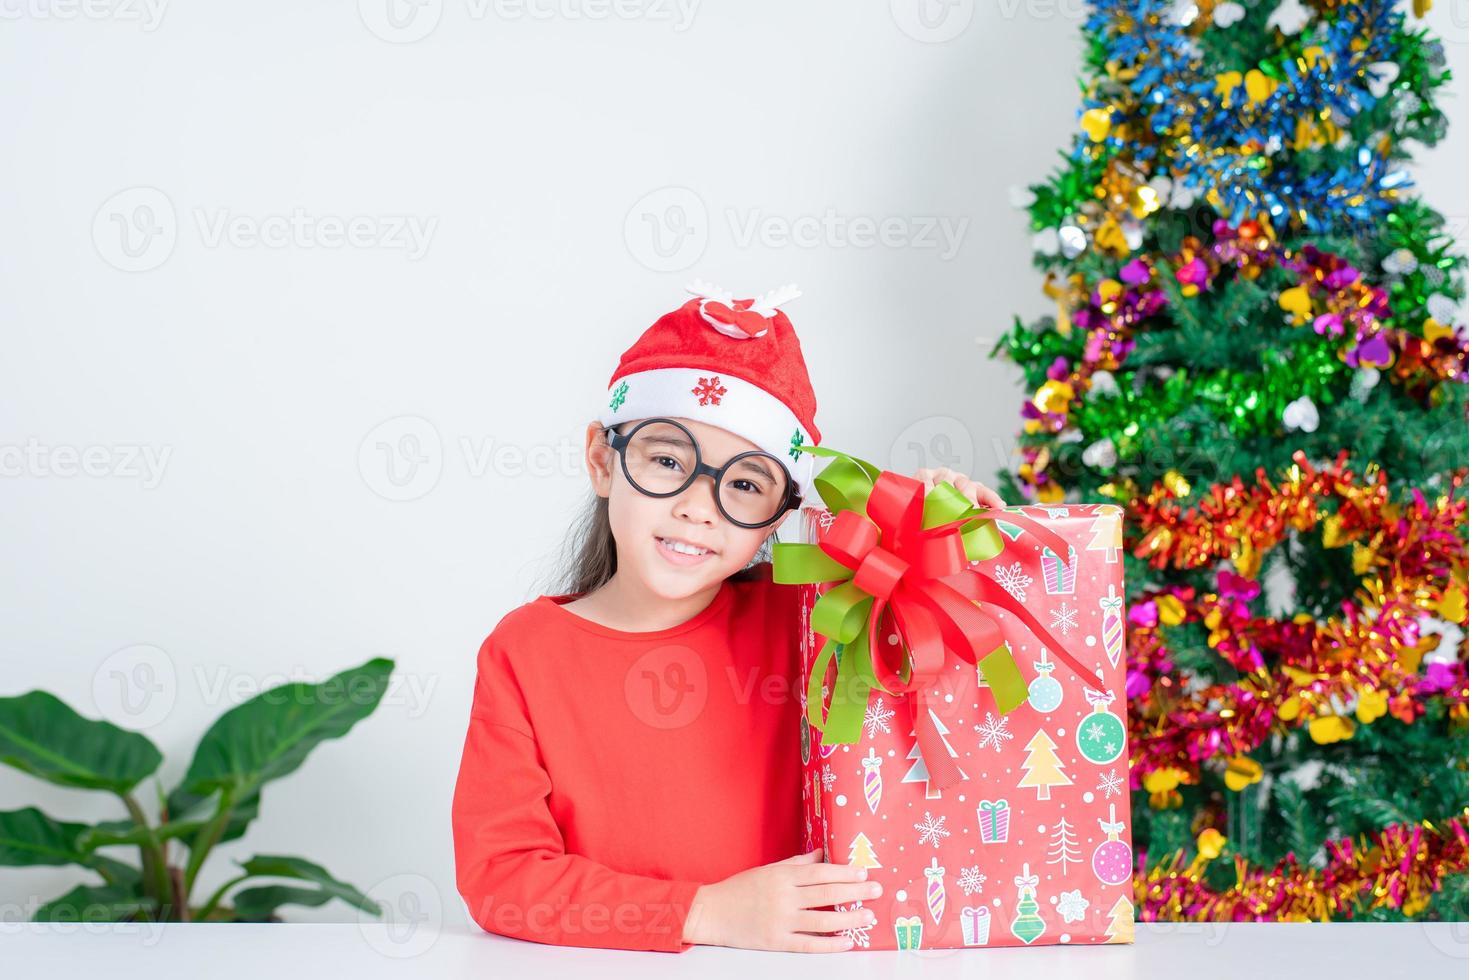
x,y
630,776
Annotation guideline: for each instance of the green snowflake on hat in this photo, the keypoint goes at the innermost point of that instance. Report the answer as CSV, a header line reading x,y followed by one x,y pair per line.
x,y
796,444
619,395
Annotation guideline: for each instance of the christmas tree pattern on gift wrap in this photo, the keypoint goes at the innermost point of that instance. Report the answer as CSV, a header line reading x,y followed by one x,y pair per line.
x,y
1042,821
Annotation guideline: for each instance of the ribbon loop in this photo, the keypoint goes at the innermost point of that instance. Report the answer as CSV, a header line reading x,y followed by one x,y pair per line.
x,y
906,597
879,573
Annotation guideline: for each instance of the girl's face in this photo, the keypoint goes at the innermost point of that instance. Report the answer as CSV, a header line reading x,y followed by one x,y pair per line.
x,y
641,524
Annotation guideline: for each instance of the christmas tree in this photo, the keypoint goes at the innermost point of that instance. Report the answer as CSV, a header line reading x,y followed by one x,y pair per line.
x,y
1256,354
1042,766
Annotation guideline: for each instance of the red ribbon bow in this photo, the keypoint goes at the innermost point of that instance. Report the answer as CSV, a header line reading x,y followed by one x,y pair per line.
x,y
920,580
739,315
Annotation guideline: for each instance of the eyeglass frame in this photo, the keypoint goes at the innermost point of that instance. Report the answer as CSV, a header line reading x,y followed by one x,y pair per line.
x,y
618,441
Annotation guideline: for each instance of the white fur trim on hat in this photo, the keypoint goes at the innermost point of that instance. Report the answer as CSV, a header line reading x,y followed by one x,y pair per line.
x,y
731,403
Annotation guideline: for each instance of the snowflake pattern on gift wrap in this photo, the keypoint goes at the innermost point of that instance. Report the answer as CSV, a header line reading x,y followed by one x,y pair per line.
x,y
1072,906
876,719
1110,785
971,879
931,829
1064,619
709,390
828,778
993,731
1013,580
860,935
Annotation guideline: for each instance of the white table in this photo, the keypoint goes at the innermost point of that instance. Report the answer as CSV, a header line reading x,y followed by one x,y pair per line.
x,y
1182,951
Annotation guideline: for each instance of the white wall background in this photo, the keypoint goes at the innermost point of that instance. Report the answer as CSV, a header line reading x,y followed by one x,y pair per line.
x,y
536,153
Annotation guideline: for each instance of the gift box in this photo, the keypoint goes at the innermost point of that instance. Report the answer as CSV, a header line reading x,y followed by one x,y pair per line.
x,y
975,759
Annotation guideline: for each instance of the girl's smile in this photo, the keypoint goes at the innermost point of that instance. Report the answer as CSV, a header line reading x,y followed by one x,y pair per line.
x,y
681,552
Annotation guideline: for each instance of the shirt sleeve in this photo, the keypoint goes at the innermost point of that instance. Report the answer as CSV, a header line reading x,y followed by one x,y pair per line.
x,y
511,866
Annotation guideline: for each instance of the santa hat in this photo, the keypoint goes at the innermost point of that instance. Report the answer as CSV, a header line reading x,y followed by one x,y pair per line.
x,y
732,363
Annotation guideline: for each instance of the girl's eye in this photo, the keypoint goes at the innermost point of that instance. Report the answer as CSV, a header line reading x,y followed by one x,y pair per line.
x,y
660,459
745,486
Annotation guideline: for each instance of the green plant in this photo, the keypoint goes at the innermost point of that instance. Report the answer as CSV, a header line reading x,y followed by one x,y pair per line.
x,y
262,739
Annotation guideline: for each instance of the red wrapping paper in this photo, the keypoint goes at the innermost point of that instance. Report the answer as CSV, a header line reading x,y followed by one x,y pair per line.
x,y
1034,846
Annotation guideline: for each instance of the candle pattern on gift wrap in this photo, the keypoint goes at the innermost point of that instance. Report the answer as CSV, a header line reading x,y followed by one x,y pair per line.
x,y
872,780
1112,629
935,892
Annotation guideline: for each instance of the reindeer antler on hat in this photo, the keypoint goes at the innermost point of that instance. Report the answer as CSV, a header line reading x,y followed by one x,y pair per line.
x,y
744,318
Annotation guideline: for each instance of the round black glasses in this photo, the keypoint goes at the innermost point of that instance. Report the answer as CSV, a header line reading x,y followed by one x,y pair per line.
x,y
661,457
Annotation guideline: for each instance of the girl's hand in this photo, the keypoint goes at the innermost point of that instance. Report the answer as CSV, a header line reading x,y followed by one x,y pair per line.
x,y
978,494
774,907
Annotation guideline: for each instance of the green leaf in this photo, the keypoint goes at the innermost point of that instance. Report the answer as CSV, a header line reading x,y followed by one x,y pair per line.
x,y
94,903
270,735
257,904
133,835
29,837
41,735
195,810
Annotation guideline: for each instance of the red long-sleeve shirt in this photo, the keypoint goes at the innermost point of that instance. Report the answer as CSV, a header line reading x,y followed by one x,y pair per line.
x,y
607,774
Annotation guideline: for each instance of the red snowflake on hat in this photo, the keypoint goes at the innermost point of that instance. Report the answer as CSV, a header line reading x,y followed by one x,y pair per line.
x,y
709,390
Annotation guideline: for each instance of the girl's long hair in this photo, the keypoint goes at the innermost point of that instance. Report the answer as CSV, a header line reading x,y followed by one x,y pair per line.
x,y
589,553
